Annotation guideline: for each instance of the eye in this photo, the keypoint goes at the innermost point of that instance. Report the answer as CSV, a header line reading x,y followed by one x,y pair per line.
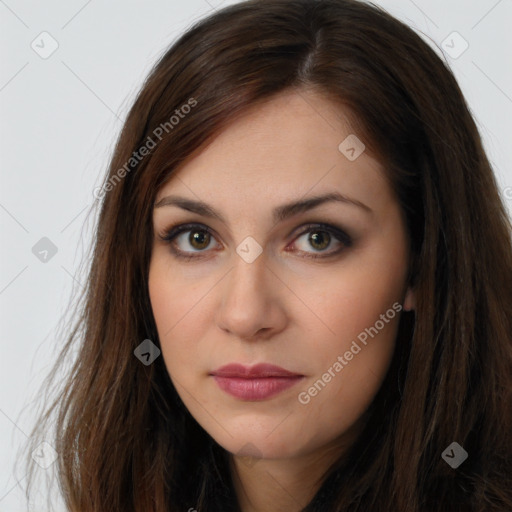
x,y
188,241
190,238
320,237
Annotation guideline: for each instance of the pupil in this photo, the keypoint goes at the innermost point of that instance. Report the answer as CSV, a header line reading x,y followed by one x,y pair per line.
x,y
316,239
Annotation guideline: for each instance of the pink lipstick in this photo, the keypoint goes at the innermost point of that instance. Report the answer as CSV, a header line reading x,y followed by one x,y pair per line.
x,y
256,382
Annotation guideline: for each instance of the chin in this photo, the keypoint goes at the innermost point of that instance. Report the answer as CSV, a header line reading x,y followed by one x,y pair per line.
x,y
252,439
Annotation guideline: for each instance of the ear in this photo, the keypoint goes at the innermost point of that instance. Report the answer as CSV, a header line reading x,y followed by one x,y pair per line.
x,y
410,300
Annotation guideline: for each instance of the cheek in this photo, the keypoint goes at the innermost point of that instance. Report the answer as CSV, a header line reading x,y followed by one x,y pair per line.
x,y
360,305
352,297
179,306
174,300
349,370
170,309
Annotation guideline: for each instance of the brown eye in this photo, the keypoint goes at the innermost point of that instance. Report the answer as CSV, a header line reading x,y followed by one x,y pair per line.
x,y
319,239
199,239
188,240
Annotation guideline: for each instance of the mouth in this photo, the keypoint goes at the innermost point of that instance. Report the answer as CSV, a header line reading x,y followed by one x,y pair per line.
x,y
254,383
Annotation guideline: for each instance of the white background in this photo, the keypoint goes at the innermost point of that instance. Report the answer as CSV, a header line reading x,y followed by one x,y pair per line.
x,y
60,117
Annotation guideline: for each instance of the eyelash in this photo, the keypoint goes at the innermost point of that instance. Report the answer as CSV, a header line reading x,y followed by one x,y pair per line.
x,y
173,232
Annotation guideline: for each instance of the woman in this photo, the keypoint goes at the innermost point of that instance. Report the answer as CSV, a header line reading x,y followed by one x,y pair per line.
x,y
301,290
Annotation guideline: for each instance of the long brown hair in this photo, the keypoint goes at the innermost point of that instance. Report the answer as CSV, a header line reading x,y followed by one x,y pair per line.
x,y
124,439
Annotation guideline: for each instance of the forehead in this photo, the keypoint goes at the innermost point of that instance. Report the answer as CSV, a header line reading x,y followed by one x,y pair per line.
x,y
277,151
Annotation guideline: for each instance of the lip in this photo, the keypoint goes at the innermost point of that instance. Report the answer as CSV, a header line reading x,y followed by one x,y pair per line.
x,y
253,383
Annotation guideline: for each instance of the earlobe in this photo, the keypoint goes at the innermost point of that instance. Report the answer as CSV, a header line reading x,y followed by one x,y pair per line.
x,y
410,300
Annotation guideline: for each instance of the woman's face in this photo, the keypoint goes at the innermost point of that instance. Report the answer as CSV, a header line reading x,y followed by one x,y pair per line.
x,y
314,290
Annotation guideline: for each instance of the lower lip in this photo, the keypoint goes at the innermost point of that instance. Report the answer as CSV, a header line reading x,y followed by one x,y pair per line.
x,y
256,388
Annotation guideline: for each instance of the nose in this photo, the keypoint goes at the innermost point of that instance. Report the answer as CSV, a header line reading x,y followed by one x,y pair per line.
x,y
252,305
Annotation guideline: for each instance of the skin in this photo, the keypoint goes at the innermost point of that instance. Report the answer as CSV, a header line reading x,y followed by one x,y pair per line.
x,y
283,308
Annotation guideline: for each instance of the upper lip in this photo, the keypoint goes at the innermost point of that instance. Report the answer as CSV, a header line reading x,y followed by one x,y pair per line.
x,y
261,370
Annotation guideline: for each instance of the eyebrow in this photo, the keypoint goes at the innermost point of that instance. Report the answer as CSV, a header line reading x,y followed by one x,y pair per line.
x,y
279,213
